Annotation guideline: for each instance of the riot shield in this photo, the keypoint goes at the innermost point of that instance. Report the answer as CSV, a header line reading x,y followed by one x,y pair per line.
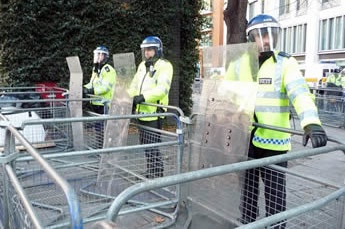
x,y
221,125
121,103
116,131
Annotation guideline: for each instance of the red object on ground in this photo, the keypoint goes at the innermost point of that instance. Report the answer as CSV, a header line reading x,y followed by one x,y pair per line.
x,y
48,90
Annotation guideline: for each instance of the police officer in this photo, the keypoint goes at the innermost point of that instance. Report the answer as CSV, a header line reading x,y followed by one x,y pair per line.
x,y
102,80
279,81
102,85
151,84
335,79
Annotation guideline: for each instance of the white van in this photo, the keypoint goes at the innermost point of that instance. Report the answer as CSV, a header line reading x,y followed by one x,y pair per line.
x,y
316,76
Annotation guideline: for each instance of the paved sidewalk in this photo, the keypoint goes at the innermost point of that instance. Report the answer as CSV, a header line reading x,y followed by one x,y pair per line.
x,y
330,166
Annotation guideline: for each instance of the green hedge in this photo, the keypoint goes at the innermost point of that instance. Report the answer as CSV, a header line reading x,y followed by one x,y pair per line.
x,y
36,37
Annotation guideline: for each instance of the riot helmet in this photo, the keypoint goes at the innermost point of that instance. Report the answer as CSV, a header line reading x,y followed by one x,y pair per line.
x,y
100,55
264,30
152,43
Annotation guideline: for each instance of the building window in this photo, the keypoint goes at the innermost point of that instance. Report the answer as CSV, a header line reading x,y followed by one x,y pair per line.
x,y
301,4
293,39
326,4
339,37
343,34
323,37
251,9
282,39
332,34
206,40
284,7
288,40
262,6
207,23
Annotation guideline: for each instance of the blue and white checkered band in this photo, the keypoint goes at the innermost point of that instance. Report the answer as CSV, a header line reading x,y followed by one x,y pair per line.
x,y
272,140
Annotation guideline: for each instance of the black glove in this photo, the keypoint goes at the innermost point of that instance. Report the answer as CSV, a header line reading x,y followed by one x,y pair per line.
x,y
316,134
87,91
138,99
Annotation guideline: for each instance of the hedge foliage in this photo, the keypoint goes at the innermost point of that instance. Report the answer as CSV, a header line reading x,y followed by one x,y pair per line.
x,y
37,36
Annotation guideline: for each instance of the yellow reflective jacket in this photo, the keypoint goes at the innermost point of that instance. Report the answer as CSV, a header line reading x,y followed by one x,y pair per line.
x,y
336,79
279,83
103,84
153,86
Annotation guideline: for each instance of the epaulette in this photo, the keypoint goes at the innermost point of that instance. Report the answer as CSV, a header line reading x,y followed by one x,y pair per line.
x,y
284,54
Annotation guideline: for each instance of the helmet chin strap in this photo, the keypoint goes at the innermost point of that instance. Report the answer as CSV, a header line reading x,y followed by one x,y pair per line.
x,y
149,65
97,67
151,61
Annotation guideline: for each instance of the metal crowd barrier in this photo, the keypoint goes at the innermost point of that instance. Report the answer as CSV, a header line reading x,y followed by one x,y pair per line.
x,y
331,106
97,173
331,205
311,202
18,206
57,186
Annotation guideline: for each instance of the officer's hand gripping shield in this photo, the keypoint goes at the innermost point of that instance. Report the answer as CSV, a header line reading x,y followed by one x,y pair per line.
x,y
222,122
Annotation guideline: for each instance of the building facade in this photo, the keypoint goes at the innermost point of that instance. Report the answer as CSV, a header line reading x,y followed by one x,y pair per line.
x,y
313,31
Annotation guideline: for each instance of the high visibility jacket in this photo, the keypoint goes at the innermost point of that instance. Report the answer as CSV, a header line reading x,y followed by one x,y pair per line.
x,y
338,80
154,86
279,83
103,83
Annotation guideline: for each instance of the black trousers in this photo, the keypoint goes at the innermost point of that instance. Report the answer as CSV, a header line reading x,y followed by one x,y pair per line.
x,y
99,126
275,188
155,167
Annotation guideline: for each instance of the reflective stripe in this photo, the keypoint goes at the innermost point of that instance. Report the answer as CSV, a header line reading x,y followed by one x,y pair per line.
x,y
272,109
272,141
308,114
278,73
102,88
271,95
146,113
299,91
164,90
294,84
237,69
168,82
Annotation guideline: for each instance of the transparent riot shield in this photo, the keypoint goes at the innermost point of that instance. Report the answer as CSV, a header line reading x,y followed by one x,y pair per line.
x,y
121,103
116,131
221,124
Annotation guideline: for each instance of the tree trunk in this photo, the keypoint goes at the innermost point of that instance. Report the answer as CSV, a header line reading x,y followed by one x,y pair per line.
x,y
236,22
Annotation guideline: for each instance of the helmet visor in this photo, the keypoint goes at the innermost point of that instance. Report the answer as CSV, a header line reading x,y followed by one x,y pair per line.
x,y
99,56
265,38
148,51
